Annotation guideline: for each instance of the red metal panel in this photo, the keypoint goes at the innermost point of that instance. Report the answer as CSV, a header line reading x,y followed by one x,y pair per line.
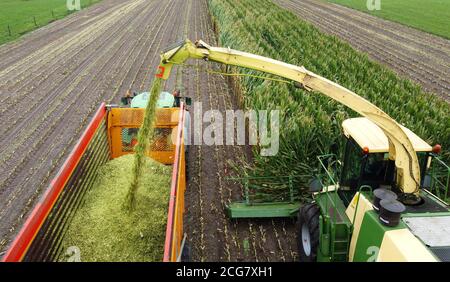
x,y
173,189
37,217
161,72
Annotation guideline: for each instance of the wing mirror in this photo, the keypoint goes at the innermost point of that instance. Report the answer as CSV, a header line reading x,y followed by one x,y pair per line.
x,y
125,101
427,181
315,185
188,101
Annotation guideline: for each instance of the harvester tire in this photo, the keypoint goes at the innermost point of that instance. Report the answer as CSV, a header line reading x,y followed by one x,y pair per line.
x,y
308,232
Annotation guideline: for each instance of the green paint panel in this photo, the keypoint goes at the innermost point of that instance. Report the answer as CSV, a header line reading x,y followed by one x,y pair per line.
x,y
243,210
335,228
370,237
331,204
425,214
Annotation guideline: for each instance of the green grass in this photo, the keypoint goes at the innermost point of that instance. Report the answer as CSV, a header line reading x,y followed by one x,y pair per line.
x,y
104,230
310,123
19,15
432,16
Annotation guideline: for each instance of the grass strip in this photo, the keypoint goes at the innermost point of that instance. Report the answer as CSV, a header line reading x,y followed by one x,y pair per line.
x,y
18,17
431,16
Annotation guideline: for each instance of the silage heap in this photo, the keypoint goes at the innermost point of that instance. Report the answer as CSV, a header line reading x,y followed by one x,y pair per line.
x,y
104,231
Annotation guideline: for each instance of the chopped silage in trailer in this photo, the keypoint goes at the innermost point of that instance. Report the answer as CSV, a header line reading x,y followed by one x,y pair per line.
x,y
104,230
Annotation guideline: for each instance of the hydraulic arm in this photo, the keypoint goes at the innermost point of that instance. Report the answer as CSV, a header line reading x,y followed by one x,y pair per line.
x,y
400,147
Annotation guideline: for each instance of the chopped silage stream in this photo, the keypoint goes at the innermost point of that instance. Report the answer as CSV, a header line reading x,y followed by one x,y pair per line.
x,y
124,214
145,137
104,231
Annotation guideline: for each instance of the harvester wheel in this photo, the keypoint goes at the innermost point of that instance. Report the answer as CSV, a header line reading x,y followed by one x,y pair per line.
x,y
308,232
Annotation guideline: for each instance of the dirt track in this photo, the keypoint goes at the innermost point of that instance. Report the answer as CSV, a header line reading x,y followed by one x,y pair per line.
x,y
51,82
422,57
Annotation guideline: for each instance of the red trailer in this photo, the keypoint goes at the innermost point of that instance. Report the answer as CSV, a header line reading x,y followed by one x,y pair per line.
x,y
41,236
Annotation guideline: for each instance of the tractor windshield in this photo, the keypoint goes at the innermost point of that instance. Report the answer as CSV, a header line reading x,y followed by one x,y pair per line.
x,y
372,169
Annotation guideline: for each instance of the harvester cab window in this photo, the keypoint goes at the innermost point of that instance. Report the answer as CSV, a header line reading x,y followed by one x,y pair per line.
x,y
424,162
372,169
375,166
352,166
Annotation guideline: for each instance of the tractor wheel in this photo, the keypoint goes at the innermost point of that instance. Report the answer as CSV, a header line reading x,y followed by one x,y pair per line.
x,y
308,232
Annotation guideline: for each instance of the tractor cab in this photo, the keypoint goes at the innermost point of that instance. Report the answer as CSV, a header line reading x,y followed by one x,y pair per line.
x,y
366,156
366,159
165,100
168,105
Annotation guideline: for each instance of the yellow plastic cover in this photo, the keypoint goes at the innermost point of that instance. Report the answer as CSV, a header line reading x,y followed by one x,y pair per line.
x,y
367,134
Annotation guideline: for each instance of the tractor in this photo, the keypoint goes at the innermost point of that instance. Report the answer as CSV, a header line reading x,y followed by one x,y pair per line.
x,y
165,100
359,213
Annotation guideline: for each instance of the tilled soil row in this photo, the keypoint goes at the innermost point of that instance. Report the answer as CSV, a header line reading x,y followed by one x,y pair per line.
x,y
419,56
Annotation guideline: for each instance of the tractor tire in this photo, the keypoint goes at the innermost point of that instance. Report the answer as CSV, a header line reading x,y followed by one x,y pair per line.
x,y
308,232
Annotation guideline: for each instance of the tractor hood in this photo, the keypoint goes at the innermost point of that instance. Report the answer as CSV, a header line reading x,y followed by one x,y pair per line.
x,y
165,100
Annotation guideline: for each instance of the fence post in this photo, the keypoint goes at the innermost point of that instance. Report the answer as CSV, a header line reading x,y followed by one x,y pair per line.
x,y
9,30
34,19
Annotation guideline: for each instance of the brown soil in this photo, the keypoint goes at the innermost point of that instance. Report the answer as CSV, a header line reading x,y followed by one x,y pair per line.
x,y
53,79
419,56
